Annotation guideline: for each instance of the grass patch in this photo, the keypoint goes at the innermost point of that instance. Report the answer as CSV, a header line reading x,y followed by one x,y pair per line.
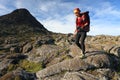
x,y
26,65
1,51
65,57
31,66
12,67
17,78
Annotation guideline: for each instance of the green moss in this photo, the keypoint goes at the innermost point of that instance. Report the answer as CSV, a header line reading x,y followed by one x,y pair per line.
x,y
12,67
17,78
2,51
65,57
26,65
31,66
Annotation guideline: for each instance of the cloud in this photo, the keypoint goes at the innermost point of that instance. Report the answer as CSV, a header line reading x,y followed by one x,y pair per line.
x,y
104,19
6,6
102,29
29,4
106,9
59,18
49,6
101,20
57,15
4,9
65,25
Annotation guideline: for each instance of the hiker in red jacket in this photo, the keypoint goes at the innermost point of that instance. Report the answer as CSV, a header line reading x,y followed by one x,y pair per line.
x,y
82,27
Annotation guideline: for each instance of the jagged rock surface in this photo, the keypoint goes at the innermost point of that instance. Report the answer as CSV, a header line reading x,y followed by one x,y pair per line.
x,y
93,61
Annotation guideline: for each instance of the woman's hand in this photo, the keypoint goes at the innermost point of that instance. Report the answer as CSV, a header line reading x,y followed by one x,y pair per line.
x,y
74,34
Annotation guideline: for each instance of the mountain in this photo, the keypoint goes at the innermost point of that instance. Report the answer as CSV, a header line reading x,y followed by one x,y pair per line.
x,y
20,21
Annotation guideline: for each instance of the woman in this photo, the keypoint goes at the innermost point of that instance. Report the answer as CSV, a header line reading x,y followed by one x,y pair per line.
x,y
81,29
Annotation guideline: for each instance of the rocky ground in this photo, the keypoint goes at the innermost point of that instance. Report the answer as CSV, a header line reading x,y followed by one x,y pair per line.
x,y
54,56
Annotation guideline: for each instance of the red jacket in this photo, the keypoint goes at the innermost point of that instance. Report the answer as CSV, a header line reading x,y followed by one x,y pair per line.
x,y
79,21
82,21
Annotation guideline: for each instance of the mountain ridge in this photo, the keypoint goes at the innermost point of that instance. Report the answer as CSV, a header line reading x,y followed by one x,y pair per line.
x,y
20,21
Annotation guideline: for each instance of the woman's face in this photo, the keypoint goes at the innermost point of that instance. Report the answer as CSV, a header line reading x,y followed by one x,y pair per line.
x,y
77,14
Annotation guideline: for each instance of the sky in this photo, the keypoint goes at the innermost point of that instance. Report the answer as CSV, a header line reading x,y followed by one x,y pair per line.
x,y
57,15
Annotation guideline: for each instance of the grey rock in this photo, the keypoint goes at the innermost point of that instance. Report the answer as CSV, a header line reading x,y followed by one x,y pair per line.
x,y
18,74
67,65
79,76
3,65
40,42
28,47
72,76
75,50
54,77
15,49
8,46
99,59
44,40
54,61
11,40
93,61
115,50
102,77
44,54
105,74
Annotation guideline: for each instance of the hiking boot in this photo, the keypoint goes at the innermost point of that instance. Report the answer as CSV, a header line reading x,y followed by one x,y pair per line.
x,y
82,56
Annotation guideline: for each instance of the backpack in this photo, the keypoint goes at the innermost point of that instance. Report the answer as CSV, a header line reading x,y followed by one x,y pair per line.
x,y
87,19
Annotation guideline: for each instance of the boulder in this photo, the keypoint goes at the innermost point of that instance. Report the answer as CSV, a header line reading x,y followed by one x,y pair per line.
x,y
44,40
44,53
100,59
3,65
54,61
94,60
75,50
72,76
10,40
54,77
113,49
75,64
15,49
18,75
28,47
8,46
78,76
105,73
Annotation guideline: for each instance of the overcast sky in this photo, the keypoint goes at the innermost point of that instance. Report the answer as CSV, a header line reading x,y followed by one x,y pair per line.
x,y
57,15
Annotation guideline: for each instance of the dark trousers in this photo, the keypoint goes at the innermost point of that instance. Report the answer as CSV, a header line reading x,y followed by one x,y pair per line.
x,y
80,36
